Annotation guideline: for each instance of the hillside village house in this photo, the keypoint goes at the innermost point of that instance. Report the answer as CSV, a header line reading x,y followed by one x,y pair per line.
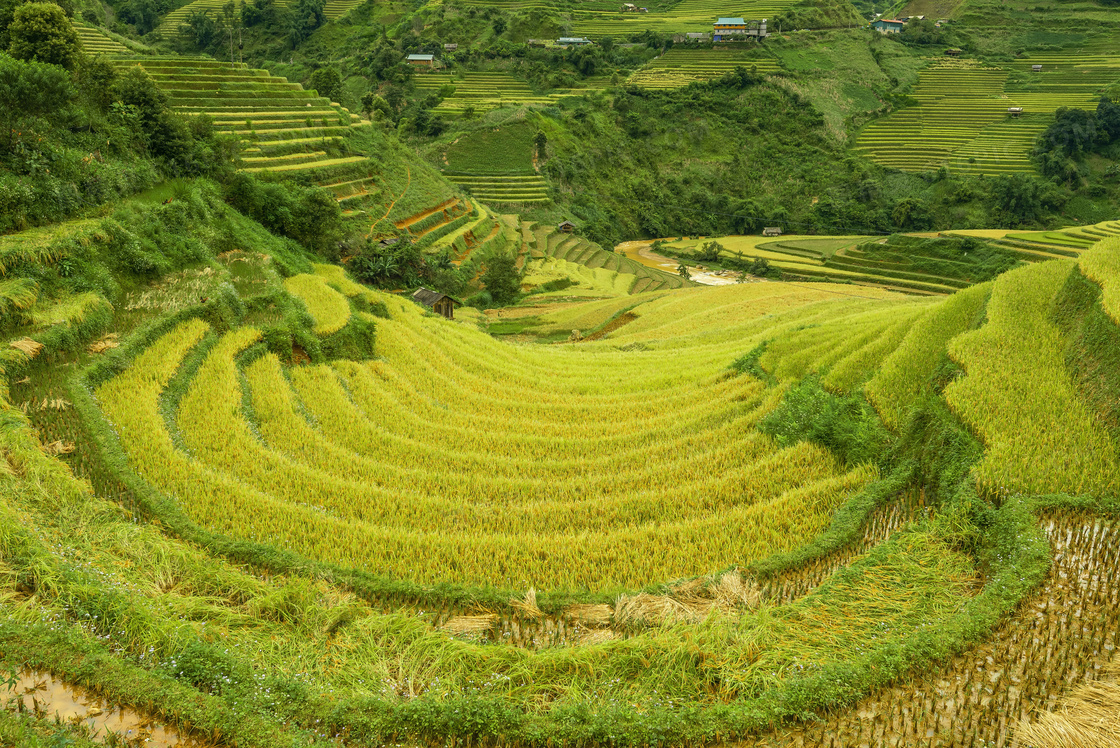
x,y
732,29
888,25
573,41
566,227
440,303
422,61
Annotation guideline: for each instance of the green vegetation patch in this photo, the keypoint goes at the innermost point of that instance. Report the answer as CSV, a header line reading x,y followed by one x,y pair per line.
x,y
504,150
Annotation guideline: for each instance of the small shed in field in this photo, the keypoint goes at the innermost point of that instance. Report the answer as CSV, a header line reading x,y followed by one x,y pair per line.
x,y
440,303
772,231
450,47
566,227
573,41
954,52
697,36
1036,68
629,8
422,61
1014,111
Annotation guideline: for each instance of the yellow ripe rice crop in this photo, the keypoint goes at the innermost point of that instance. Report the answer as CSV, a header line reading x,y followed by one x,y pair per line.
x,y
862,363
1039,436
815,349
329,308
456,457
1102,265
906,371
336,277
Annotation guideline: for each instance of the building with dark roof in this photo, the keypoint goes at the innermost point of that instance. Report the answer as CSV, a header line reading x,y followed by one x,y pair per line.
x,y
440,303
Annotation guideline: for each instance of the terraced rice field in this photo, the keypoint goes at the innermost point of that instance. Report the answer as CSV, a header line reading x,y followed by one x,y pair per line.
x,y
97,42
962,121
679,67
618,527
171,25
811,259
352,478
281,126
548,242
688,15
1069,242
483,91
492,188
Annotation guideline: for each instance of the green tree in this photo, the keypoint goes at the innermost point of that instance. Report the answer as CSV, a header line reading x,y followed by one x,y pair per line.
x,y
203,30
1021,198
682,271
143,14
540,143
41,32
95,78
30,89
306,16
710,252
501,278
327,82
375,107
259,13
134,87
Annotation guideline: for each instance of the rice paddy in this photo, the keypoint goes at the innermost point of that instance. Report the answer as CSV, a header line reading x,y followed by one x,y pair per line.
x,y
613,525
678,67
482,91
962,120
687,15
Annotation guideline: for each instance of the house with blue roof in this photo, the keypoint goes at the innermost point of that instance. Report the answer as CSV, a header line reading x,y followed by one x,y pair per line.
x,y
733,29
888,25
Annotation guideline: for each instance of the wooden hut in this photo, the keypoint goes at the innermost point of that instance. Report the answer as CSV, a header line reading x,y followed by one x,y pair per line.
x,y
566,227
1036,68
421,61
772,231
440,303
1014,111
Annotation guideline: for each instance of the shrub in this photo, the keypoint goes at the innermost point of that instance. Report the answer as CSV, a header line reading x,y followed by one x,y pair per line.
x,y
30,89
41,32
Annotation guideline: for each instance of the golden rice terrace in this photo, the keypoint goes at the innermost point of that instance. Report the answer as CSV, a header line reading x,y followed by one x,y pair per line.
x,y
301,512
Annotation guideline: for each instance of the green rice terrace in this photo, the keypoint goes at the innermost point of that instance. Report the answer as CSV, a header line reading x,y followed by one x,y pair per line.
x,y
496,165
173,22
679,67
687,15
483,91
918,264
962,119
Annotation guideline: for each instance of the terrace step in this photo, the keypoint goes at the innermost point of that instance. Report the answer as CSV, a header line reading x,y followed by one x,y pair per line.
x,y
278,118
293,134
351,188
274,146
295,167
265,129
292,158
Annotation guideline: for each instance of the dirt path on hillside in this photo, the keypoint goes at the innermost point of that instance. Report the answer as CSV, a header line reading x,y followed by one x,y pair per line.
x,y
407,184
